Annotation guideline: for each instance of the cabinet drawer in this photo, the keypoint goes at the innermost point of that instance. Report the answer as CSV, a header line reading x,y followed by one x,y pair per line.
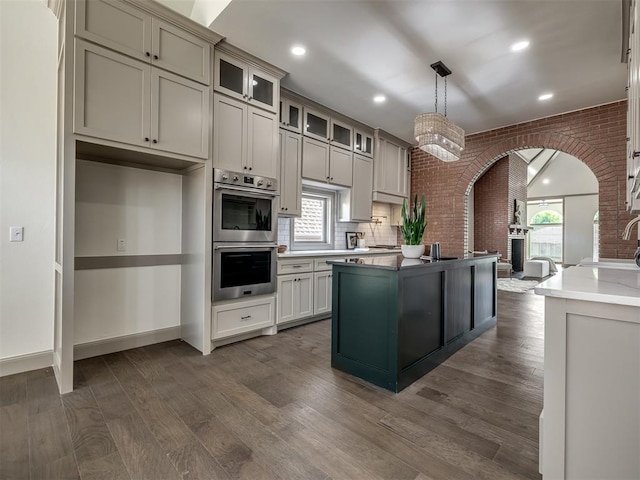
x,y
234,319
322,265
295,266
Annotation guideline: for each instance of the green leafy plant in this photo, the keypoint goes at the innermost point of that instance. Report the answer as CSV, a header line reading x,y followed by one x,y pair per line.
x,y
413,223
263,222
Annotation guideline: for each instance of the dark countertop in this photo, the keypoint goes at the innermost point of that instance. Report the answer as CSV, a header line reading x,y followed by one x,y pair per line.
x,y
393,262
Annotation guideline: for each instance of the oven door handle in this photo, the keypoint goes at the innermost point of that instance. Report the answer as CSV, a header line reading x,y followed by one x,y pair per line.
x,y
253,191
244,245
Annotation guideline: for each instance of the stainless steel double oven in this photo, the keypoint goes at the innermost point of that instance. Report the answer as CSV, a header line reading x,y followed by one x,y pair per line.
x,y
244,235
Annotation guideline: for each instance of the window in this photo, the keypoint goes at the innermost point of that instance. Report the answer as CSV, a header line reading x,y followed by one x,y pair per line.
x,y
313,229
546,235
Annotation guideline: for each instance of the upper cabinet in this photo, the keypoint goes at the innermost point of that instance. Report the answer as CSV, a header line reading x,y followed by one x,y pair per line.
x,y
322,127
121,99
324,163
290,115
125,29
316,125
363,143
245,139
341,135
391,177
244,81
633,112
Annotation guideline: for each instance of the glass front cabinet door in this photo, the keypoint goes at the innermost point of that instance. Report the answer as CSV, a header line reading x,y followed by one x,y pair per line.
x,y
290,115
316,125
341,135
363,143
245,82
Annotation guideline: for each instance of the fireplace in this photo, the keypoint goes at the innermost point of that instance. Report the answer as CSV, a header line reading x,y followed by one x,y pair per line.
x,y
517,253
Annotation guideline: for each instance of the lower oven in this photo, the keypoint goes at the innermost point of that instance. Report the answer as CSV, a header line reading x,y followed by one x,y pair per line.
x,y
243,270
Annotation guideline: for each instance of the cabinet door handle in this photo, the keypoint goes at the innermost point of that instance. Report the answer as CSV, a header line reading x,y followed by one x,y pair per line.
x,y
250,98
147,54
244,168
286,208
250,168
296,266
331,178
636,154
155,57
146,139
244,318
154,140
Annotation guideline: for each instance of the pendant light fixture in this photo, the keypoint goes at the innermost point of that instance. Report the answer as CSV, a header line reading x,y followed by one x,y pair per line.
x,y
434,132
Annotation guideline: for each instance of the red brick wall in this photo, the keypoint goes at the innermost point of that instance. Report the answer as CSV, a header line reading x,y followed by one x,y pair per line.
x,y
491,212
596,135
517,185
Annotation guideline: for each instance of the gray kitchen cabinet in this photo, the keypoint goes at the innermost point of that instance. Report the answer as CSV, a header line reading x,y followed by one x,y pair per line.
x,y
295,297
290,174
362,189
324,163
127,101
130,31
290,115
245,139
391,169
240,79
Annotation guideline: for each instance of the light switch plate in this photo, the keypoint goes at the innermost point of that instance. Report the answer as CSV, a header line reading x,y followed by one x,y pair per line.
x,y
16,234
122,246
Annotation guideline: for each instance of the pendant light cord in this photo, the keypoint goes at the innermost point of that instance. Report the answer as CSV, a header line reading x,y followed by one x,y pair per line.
x,y
436,91
445,96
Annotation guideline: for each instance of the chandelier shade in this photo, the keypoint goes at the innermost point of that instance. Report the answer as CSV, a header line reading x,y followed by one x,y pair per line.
x,y
434,132
439,136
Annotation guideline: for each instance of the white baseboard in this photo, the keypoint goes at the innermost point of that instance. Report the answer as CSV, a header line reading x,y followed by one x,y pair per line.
x,y
25,363
126,342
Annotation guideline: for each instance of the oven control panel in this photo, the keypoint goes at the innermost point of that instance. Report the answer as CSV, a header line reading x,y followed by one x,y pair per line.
x,y
245,180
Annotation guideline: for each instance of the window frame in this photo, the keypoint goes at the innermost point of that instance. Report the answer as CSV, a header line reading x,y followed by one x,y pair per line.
x,y
329,222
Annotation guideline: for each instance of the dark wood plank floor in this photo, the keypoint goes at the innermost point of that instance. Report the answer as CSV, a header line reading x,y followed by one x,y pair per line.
x,y
272,408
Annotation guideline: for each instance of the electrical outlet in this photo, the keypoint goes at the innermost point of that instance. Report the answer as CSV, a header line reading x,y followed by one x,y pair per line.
x,y
16,234
122,246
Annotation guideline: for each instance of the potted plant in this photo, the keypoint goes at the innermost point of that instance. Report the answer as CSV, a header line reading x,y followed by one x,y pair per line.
x,y
413,227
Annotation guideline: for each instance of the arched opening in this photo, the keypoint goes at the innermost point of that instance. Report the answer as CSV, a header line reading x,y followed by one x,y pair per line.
x,y
561,194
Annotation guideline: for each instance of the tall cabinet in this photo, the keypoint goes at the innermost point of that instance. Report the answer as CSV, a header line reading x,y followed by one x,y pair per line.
x,y
633,111
134,116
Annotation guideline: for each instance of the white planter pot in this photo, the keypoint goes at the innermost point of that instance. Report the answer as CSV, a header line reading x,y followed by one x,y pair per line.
x,y
412,251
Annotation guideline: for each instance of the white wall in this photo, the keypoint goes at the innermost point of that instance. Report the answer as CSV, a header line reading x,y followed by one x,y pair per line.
x,y
578,227
28,38
144,208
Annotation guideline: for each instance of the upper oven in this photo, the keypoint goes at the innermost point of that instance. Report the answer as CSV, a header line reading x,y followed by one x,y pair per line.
x,y
244,207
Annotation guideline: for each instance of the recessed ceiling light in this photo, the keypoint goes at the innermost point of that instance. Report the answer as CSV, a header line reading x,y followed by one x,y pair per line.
x,y
545,96
521,45
298,50
379,99
545,181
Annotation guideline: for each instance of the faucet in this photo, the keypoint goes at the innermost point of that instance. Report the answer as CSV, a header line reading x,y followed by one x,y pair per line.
x,y
626,235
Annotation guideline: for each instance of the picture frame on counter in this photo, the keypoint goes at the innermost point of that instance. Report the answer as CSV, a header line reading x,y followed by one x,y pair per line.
x,y
352,240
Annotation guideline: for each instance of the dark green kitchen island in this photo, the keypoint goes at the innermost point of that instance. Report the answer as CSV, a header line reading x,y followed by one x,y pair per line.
x,y
395,319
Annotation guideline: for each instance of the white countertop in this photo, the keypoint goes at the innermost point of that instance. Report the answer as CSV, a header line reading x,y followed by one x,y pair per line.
x,y
333,253
606,284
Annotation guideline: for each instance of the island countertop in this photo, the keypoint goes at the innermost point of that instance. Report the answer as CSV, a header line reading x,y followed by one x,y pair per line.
x,y
398,262
619,286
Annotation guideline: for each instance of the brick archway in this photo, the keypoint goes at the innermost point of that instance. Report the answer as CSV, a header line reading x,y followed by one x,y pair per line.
x,y
596,136
590,156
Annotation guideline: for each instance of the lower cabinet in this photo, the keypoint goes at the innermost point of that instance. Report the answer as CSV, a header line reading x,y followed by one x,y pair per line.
x,y
295,297
322,292
235,318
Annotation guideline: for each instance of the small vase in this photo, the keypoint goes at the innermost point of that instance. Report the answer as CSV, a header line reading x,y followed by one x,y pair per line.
x,y
412,251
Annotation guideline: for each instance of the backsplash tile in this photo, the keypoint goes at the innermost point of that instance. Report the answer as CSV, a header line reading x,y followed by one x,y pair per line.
x,y
374,233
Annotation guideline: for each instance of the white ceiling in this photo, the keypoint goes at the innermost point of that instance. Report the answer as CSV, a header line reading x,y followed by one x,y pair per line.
x,y
564,175
359,48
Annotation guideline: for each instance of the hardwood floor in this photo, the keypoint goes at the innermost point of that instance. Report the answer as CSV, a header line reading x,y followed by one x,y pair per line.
x,y
272,408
